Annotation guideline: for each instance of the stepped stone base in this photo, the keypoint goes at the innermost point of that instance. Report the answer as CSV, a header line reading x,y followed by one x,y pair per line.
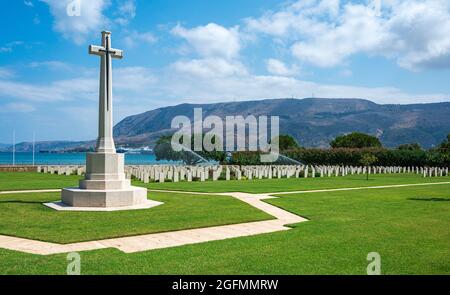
x,y
60,206
130,196
104,186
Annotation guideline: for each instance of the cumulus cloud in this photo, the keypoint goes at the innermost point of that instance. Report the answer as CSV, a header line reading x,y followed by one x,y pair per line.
x,y
78,28
134,38
63,90
6,73
51,65
183,87
17,108
211,40
210,67
126,12
277,67
326,33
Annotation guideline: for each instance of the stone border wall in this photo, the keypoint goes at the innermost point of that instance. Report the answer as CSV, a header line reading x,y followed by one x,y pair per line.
x,y
17,168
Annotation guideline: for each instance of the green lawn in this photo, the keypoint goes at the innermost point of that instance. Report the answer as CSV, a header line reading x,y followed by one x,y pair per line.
x,y
33,180
408,226
24,215
292,184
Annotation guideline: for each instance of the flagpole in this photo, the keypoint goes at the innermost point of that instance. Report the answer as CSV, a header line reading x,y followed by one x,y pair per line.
x,y
14,147
34,139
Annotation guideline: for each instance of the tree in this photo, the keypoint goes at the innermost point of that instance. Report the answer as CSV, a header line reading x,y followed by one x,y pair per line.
x,y
163,151
368,160
287,142
410,147
355,140
445,145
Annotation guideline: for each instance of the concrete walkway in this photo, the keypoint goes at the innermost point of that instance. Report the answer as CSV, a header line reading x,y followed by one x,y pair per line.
x,y
184,237
167,239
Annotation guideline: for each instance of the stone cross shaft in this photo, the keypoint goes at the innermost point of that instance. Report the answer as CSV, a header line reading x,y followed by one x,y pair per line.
x,y
105,141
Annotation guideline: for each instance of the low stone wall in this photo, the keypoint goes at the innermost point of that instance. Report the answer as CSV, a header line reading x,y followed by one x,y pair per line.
x,y
18,168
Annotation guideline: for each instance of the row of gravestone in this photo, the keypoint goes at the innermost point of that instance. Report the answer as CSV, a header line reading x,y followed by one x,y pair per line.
x,y
163,173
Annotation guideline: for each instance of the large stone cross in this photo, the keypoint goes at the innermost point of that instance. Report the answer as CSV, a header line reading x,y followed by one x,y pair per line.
x,y
105,141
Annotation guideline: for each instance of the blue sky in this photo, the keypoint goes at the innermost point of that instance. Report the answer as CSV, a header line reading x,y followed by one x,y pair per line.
x,y
202,51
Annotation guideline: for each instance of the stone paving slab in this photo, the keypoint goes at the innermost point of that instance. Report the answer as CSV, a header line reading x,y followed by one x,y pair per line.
x,y
184,237
361,188
59,206
167,239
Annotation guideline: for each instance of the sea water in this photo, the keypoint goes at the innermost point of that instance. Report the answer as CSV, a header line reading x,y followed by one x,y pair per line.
x,y
70,159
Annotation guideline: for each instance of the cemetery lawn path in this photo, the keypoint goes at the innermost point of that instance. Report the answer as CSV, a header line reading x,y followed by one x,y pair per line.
x,y
293,184
24,215
407,226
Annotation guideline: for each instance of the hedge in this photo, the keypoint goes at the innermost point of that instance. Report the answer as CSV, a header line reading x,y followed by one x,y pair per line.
x,y
352,157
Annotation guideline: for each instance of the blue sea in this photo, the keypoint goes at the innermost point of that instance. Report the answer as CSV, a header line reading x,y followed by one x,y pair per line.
x,y
70,159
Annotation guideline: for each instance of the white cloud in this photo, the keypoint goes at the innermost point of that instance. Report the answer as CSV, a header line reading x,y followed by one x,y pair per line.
x,y
326,33
346,73
54,65
131,85
134,80
28,3
6,73
134,38
63,90
78,28
249,87
126,12
279,68
17,108
210,67
9,47
211,40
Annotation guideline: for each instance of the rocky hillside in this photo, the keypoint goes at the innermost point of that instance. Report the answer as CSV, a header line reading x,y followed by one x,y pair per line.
x,y
312,121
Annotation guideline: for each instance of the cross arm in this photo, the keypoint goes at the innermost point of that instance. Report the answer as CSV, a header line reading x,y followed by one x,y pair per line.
x,y
96,50
116,53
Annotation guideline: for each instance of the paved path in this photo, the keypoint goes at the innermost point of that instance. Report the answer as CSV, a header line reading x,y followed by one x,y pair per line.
x,y
167,239
183,237
360,188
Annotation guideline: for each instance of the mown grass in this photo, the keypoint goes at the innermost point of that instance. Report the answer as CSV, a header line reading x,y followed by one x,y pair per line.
x,y
24,215
408,227
32,180
293,184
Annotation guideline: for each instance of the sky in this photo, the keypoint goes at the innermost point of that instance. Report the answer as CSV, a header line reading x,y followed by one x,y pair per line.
x,y
202,51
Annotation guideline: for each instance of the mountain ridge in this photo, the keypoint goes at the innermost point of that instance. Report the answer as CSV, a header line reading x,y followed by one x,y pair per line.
x,y
314,122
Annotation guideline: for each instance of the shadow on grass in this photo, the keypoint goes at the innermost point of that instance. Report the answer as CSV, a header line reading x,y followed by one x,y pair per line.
x,y
430,199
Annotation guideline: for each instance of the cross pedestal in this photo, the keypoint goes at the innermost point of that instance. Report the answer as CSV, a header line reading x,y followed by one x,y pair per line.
x,y
105,185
